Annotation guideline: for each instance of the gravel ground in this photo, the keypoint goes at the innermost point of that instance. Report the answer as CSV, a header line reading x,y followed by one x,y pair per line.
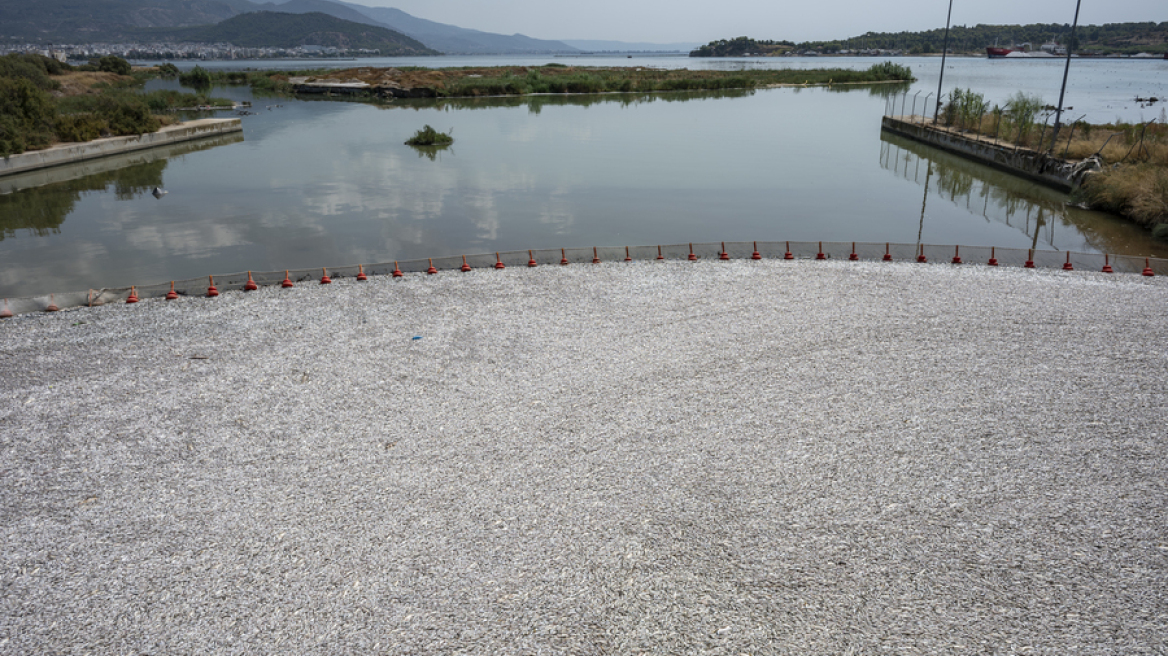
x,y
671,458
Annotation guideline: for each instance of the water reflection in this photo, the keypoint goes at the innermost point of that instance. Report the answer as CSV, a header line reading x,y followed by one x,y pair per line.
x,y
536,102
40,201
431,152
1042,214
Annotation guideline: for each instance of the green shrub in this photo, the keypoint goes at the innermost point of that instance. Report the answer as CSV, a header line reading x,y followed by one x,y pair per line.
x,y
27,115
428,136
197,77
79,127
112,64
126,115
34,68
1023,110
168,70
965,107
890,71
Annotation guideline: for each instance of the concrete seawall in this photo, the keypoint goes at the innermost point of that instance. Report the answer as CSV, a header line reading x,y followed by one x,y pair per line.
x,y
1038,167
79,152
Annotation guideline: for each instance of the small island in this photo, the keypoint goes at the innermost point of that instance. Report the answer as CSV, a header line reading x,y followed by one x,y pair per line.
x,y
557,79
428,136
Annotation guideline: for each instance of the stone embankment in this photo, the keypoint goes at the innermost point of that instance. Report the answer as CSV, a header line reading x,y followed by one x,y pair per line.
x,y
1055,172
78,152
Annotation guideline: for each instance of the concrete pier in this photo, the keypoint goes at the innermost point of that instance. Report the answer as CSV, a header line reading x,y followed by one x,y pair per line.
x,y
72,153
1039,167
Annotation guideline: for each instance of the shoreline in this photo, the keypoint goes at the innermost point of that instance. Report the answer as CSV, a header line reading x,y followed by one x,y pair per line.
x,y
789,252
72,153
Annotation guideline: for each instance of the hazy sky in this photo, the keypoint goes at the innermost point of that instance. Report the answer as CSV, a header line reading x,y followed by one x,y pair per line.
x,y
703,20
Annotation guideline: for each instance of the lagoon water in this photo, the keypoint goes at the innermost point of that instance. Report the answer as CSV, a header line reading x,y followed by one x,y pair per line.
x,y
322,183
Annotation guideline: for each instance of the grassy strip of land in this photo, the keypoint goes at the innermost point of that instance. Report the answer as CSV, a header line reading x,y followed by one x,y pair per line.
x,y
561,79
1133,176
44,102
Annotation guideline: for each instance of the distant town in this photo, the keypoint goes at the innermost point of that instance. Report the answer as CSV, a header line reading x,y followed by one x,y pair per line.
x,y
202,51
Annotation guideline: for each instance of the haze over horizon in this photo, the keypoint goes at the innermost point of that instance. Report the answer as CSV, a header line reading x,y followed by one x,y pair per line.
x,y
700,21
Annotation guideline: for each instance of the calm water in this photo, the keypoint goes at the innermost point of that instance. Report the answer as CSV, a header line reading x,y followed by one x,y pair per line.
x,y
319,183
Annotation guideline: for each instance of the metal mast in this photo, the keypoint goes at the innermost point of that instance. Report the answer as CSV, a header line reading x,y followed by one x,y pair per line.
x,y
1070,46
944,51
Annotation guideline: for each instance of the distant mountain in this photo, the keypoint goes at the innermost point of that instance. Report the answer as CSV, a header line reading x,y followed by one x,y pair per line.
x,y
627,46
90,21
456,40
94,21
321,6
267,29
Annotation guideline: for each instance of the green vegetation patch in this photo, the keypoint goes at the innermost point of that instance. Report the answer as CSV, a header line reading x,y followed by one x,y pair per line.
x,y
428,136
31,117
523,80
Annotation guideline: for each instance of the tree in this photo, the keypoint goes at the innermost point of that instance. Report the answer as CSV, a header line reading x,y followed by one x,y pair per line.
x,y
26,116
112,64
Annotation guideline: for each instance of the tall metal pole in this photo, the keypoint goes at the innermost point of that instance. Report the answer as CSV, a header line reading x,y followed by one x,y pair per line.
x,y
1070,46
944,51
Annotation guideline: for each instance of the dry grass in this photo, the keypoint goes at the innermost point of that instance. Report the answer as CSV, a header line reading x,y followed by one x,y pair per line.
x,y
1134,181
78,83
1137,191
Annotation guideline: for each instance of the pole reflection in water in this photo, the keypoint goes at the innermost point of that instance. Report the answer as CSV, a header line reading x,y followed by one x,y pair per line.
x,y
975,190
924,200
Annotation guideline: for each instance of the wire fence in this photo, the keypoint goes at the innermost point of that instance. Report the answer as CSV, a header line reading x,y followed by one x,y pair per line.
x,y
782,250
1025,124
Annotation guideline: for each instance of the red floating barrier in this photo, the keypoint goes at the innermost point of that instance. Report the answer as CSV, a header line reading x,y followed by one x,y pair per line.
x,y
628,258
723,255
1067,266
133,297
287,281
887,252
853,257
499,262
465,267
361,273
563,258
659,255
692,257
756,255
1029,259
6,313
787,255
250,285
171,295
324,279
431,271
993,260
956,255
1107,264
396,271
921,258
595,256
819,255
1148,268
211,291
52,306
531,262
